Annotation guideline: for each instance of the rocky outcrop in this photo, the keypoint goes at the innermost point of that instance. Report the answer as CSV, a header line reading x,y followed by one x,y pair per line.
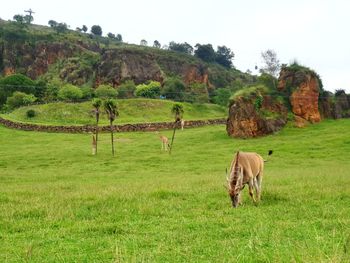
x,y
246,120
341,105
118,65
80,61
302,86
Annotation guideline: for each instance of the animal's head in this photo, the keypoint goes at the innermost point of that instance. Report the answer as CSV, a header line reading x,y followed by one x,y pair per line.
x,y
235,182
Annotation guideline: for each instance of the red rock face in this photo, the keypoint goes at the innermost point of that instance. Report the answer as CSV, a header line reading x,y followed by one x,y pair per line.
x,y
194,74
304,97
304,100
245,121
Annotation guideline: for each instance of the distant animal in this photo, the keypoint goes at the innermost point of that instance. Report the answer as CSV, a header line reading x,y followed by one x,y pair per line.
x,y
246,168
164,142
182,124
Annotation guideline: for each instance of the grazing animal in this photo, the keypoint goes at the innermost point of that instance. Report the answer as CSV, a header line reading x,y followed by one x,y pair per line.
x,y
164,142
182,124
246,168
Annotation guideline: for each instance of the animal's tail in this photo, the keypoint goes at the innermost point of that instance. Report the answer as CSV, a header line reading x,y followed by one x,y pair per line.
x,y
269,153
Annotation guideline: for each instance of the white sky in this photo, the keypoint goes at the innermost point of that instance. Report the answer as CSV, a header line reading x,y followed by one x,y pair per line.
x,y
315,32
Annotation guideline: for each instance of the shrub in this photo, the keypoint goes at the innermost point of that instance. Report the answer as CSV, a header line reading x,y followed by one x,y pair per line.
x,y
126,90
15,82
106,91
30,113
174,89
198,93
19,99
151,90
87,92
222,96
70,93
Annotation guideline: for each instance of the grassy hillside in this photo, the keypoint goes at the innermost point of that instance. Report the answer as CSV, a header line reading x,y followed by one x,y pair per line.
x,y
131,111
59,203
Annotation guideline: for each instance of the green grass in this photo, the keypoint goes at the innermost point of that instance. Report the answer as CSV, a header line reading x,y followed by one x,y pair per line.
x,y
130,110
60,204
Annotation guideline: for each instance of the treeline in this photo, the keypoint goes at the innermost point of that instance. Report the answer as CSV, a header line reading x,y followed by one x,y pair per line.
x,y
17,90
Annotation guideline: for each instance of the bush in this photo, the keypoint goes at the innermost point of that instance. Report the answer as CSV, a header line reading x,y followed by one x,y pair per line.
x,y
105,92
174,89
151,90
87,92
19,99
222,96
126,90
30,113
70,93
198,93
15,82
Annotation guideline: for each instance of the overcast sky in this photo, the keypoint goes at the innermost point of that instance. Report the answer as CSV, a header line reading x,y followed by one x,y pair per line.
x,y
315,32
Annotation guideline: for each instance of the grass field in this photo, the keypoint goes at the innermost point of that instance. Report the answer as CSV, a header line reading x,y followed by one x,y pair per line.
x,y
131,111
60,204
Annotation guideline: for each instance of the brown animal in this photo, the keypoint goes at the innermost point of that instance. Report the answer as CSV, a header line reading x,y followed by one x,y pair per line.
x,y
164,141
246,168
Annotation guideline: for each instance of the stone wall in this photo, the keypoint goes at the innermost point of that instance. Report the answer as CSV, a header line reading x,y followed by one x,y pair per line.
x,y
118,128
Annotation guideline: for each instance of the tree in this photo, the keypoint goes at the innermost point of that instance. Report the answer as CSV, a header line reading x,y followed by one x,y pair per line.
x,y
96,103
156,44
110,106
19,18
271,65
224,56
84,28
96,30
143,42
61,28
181,47
178,112
111,35
28,19
70,92
205,52
119,38
52,23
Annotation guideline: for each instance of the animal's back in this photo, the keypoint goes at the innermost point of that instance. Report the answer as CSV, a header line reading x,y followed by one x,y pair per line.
x,y
251,160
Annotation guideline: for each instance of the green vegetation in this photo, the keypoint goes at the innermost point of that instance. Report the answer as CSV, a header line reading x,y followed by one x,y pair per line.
x,y
131,111
70,93
59,203
249,92
150,90
105,92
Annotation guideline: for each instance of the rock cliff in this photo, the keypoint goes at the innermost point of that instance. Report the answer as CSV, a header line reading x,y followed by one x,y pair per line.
x,y
302,86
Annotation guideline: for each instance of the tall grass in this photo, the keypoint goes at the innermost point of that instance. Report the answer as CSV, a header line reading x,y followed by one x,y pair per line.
x,y
60,204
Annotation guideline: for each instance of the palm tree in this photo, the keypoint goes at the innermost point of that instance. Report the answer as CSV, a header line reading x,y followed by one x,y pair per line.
x,y
110,106
96,103
178,112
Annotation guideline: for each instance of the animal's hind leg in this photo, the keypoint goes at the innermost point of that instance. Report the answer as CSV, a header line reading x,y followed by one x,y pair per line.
x,y
257,189
251,189
259,181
